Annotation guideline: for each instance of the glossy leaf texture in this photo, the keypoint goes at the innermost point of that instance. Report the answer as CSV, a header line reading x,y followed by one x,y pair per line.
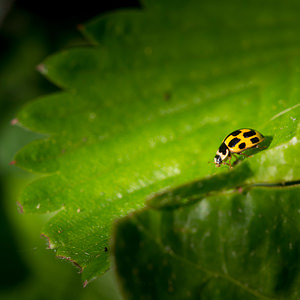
x,y
146,107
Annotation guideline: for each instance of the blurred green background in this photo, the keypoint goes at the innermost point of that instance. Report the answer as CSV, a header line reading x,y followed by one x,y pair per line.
x,y
29,32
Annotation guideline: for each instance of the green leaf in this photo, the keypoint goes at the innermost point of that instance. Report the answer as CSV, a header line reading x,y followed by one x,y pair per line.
x,y
234,246
147,107
277,166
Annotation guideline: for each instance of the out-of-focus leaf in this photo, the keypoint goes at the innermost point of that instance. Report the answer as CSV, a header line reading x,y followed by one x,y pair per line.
x,y
234,246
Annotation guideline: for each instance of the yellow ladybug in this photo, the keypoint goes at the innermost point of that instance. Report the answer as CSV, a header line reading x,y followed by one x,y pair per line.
x,y
235,143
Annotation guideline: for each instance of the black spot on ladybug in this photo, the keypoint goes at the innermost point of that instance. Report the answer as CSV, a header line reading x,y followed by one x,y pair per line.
x,y
242,145
254,140
249,133
235,133
233,142
105,249
223,149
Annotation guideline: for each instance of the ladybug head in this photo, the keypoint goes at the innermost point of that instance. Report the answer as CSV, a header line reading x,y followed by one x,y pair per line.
x,y
221,155
218,160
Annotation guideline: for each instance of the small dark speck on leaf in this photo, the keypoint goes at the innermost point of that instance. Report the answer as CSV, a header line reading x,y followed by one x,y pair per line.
x,y
167,96
105,249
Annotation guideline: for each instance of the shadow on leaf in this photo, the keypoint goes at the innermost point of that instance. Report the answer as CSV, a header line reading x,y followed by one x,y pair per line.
x,y
192,192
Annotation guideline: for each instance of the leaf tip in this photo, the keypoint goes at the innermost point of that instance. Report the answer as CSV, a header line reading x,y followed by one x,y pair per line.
x,y
240,189
14,121
13,162
75,263
85,283
80,27
50,245
42,69
20,207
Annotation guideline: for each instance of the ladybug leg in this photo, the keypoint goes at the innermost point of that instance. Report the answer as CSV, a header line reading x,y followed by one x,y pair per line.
x,y
236,157
260,147
242,153
245,154
229,160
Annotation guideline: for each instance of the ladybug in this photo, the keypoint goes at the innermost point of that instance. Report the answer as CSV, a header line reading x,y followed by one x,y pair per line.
x,y
235,143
